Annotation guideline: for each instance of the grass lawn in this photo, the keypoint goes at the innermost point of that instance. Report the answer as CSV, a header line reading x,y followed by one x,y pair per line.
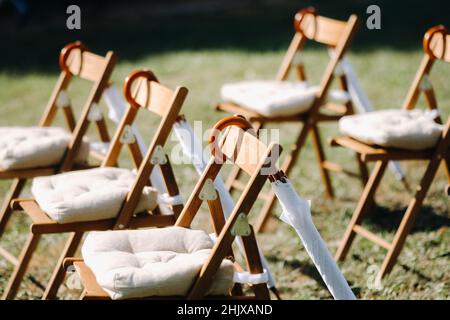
x,y
180,57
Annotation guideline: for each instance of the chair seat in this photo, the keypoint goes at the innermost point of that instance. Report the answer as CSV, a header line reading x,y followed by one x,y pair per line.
x,y
403,129
276,98
88,195
35,147
152,262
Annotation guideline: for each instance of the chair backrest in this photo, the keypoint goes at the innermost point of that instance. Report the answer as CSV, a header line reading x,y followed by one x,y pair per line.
x,y
143,91
309,25
240,146
76,61
436,46
320,29
436,43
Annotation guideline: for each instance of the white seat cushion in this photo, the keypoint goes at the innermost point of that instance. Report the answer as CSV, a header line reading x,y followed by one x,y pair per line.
x,y
33,147
152,262
88,195
413,130
276,98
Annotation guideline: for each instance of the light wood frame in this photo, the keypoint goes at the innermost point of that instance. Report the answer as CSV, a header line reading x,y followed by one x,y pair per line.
x,y
238,145
75,61
148,95
336,35
436,46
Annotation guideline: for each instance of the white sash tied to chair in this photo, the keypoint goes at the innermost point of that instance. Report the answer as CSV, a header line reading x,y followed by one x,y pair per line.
x,y
62,100
168,200
297,213
251,278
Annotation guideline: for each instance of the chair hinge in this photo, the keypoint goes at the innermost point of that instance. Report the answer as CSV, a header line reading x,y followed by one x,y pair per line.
x,y
241,227
208,191
127,136
158,156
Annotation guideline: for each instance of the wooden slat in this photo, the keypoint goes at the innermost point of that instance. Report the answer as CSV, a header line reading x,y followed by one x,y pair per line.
x,y
42,223
323,30
334,107
35,212
89,66
9,256
93,291
155,97
15,203
91,286
144,221
437,45
68,262
255,117
96,155
26,173
354,145
332,166
371,236
245,150
374,153
234,108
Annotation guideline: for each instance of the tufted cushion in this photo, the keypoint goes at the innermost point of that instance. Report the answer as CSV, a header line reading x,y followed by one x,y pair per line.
x,y
414,130
33,147
88,195
152,262
276,98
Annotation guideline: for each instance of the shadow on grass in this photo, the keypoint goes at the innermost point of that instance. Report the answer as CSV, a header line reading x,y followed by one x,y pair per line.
x,y
137,29
406,268
388,219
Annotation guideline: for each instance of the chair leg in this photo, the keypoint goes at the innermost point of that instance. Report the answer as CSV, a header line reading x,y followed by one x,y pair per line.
x,y
6,210
317,144
363,171
83,295
59,272
364,203
447,167
287,166
254,265
409,218
21,268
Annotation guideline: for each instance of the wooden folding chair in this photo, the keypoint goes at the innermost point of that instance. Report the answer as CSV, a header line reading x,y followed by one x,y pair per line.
x,y
155,98
337,36
75,61
436,46
242,148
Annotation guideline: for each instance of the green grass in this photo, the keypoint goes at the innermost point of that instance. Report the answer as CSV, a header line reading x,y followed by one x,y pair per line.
x,y
423,270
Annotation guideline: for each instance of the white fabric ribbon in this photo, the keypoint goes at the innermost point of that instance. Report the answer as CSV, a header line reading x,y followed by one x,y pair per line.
x,y
339,71
95,113
297,213
62,100
166,199
251,278
297,60
432,114
100,147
